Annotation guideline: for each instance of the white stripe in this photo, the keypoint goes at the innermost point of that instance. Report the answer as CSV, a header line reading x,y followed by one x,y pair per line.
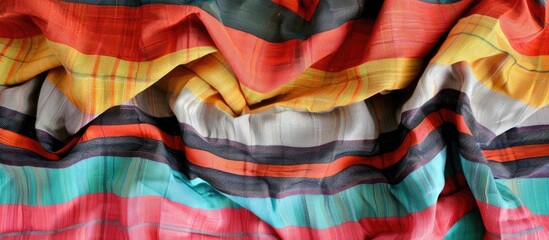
x,y
541,117
61,118
491,109
276,126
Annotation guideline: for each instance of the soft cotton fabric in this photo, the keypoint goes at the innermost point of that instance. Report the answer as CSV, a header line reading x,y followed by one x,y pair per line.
x,y
274,119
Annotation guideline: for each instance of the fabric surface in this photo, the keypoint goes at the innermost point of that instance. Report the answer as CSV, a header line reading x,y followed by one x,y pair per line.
x,y
274,119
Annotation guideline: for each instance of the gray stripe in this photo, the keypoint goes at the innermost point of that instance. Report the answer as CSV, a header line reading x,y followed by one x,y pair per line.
x,y
22,97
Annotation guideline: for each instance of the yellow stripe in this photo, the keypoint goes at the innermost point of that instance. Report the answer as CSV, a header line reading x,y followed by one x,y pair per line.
x,y
212,81
480,41
127,83
37,59
209,77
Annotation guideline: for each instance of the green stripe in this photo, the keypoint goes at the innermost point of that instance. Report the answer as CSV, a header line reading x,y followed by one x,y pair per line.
x,y
469,227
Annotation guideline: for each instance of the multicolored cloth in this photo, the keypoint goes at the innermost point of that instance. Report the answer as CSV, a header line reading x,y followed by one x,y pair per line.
x,y
274,119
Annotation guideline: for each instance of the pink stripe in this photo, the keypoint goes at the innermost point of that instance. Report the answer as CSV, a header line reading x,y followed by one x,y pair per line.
x,y
111,215
108,215
513,222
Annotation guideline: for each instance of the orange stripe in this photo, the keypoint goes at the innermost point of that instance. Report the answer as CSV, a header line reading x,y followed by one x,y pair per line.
x,y
516,153
13,139
114,82
142,130
209,160
5,49
417,135
17,57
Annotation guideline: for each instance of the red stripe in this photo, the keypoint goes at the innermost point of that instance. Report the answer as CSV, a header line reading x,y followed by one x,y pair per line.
x,y
522,22
517,153
322,170
141,33
13,139
206,159
403,29
141,130
454,184
303,8
16,25
138,217
513,222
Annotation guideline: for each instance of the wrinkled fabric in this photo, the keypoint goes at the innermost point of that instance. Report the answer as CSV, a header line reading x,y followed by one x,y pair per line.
x,y
274,119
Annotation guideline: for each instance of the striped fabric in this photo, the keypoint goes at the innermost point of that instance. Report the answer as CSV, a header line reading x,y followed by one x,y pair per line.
x,y
274,119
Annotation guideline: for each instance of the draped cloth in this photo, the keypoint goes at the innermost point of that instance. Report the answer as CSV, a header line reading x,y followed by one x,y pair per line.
x,y
274,119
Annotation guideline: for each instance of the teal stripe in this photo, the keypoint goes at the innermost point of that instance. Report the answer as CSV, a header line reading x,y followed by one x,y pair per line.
x,y
416,192
485,188
126,177
469,227
132,177
532,192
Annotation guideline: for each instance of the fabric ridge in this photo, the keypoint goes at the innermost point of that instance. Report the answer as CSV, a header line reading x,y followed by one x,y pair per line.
x,y
274,119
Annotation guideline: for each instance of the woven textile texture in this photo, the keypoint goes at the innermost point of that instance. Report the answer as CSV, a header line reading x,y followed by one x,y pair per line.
x,y
274,119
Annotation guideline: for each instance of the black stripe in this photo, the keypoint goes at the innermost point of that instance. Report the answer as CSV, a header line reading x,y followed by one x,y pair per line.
x,y
455,101
282,155
519,137
263,18
416,157
122,115
536,167
115,146
17,122
452,100
275,187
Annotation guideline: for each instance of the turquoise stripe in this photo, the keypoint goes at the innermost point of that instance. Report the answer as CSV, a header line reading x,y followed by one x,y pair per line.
x,y
126,177
132,177
415,193
485,188
531,192
469,227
